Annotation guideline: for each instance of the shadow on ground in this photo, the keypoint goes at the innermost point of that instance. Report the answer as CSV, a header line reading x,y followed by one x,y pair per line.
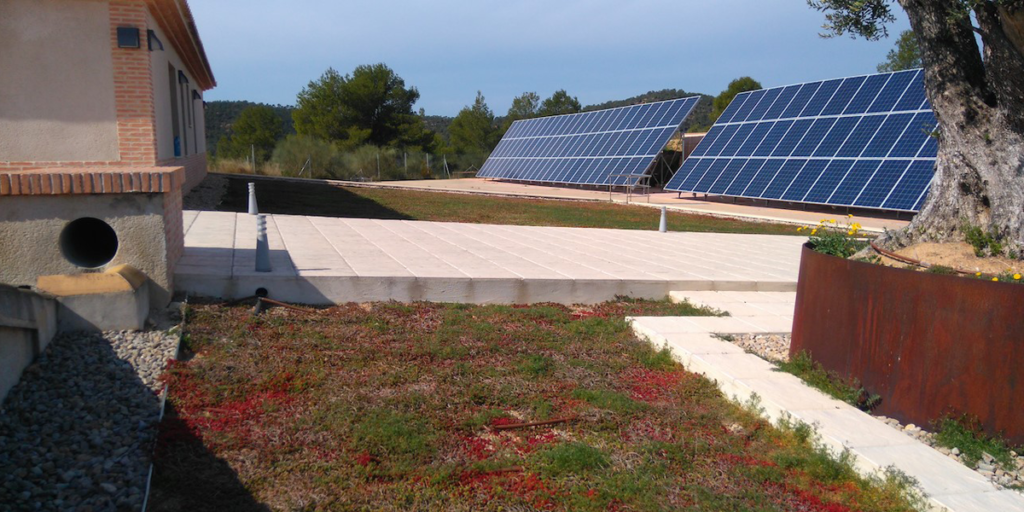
x,y
77,430
187,476
298,198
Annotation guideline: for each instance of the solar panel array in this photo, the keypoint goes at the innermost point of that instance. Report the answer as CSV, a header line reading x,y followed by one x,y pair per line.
x,y
603,147
864,141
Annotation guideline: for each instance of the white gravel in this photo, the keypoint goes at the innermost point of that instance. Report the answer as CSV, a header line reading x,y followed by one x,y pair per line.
x,y
1010,476
77,432
771,347
775,348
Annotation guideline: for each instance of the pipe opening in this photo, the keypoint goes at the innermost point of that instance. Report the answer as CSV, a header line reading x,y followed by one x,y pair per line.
x,y
88,242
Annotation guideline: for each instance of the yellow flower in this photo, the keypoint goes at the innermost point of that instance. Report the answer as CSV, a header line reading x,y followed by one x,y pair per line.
x,y
814,231
851,233
850,215
996,279
801,228
1016,276
978,274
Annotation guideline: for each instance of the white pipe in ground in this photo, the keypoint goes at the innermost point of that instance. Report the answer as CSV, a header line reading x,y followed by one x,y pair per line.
x,y
663,225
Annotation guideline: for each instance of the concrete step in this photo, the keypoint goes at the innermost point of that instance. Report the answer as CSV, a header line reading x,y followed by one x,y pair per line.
x,y
741,303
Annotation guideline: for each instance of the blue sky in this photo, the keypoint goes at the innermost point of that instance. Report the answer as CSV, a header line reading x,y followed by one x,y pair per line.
x,y
598,50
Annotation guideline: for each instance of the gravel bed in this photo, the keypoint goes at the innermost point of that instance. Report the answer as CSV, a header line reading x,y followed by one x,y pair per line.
x,y
76,432
775,348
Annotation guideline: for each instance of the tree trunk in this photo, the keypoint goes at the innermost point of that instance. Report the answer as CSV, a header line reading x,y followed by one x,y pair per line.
x,y
978,98
1013,22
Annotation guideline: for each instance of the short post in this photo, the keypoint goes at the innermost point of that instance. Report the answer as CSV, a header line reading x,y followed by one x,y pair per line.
x,y
262,246
252,200
663,225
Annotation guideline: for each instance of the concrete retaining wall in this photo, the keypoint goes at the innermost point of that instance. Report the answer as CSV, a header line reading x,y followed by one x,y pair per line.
x,y
28,322
32,227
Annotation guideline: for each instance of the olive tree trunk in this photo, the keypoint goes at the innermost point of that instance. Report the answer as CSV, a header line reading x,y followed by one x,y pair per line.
x,y
978,98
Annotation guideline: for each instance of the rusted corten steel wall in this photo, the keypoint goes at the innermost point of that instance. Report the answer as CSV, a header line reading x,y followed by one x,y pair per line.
x,y
928,344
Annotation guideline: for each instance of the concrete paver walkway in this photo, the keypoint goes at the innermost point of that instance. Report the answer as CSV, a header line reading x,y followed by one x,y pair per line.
x,y
319,260
948,484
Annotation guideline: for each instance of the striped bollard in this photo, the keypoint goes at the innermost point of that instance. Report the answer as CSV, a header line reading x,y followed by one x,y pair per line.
x,y
262,247
253,210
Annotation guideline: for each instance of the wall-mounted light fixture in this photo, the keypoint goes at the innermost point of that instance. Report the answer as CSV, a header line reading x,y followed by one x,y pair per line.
x,y
154,42
127,37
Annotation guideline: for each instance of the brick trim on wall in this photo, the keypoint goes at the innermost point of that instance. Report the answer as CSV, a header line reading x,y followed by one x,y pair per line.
x,y
195,169
133,87
58,181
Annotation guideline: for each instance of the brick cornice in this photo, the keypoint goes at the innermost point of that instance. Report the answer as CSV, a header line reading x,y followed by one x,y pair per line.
x,y
86,180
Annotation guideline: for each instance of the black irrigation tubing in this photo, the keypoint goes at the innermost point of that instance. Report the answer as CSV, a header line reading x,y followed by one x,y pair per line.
x,y
535,424
260,301
912,261
289,306
236,301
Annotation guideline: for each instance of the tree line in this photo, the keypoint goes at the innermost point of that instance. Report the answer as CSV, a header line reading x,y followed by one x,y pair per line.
x,y
363,125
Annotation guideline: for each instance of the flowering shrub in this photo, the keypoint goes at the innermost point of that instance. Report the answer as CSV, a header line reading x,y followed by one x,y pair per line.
x,y
830,237
1006,277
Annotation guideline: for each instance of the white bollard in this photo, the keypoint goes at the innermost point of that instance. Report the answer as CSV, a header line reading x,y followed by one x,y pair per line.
x,y
262,247
253,210
663,225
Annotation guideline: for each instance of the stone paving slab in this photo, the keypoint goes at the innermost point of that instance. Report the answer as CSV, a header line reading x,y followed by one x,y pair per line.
x,y
741,376
321,260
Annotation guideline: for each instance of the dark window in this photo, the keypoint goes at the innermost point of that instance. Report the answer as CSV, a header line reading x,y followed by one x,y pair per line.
x,y
172,77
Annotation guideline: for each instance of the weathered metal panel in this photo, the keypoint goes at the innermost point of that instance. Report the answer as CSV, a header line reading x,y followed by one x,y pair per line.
x,y
929,345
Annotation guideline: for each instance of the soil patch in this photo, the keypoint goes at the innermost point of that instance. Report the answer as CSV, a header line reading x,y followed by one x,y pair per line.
x,y
957,255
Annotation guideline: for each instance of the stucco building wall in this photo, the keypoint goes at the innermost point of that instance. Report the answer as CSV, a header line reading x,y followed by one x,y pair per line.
x,y
75,99
190,113
57,82
87,130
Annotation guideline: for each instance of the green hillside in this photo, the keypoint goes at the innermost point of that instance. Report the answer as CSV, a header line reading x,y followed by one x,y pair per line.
x,y
700,118
221,114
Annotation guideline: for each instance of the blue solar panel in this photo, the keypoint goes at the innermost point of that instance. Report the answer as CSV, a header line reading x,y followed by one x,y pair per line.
x,y
603,147
866,141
